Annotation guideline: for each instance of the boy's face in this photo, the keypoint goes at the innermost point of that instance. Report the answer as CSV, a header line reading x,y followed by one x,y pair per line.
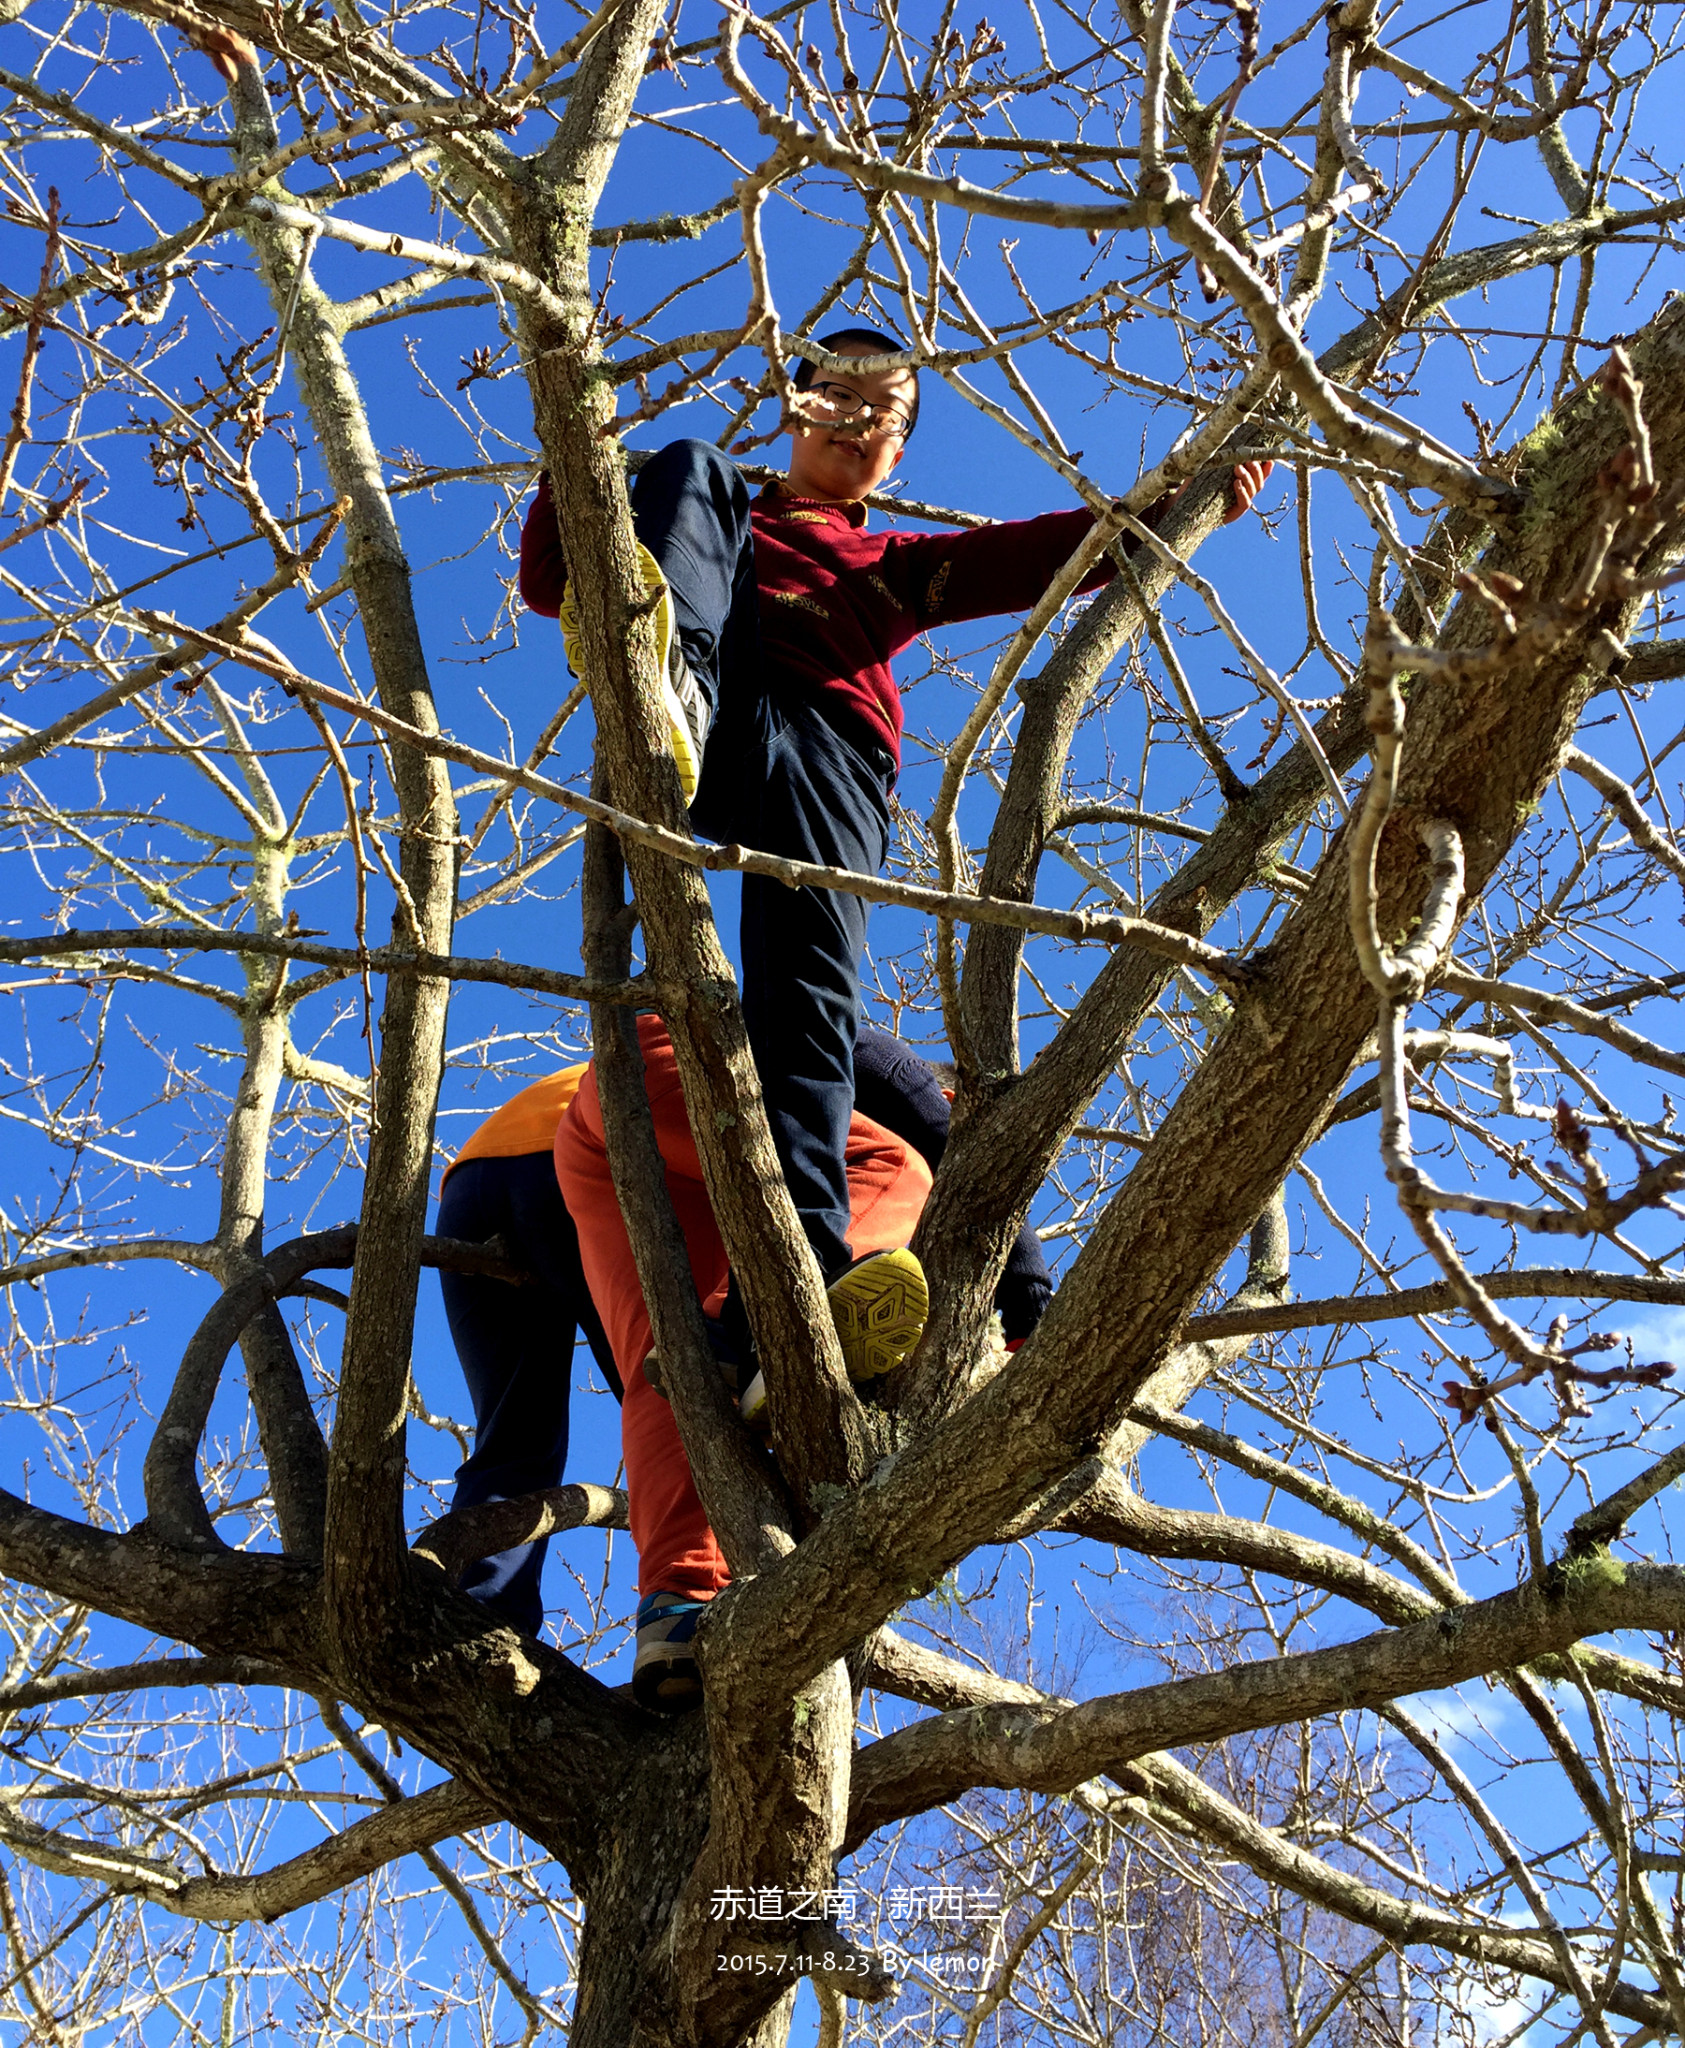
x,y
836,455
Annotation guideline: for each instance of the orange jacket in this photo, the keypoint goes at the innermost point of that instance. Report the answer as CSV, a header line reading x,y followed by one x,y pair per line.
x,y
526,1122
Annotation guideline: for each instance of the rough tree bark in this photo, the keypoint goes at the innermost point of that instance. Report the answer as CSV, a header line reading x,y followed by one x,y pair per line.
x,y
600,1786
767,1789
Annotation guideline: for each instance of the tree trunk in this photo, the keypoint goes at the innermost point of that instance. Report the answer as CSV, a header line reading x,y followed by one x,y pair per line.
x,y
650,1845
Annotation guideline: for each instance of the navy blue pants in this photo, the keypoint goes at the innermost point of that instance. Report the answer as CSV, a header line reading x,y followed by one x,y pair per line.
x,y
895,1088
516,1348
780,777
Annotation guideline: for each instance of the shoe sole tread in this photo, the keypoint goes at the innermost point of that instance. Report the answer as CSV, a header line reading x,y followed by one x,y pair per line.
x,y
880,1308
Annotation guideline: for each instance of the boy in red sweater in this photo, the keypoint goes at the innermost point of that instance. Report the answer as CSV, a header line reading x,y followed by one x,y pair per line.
x,y
787,613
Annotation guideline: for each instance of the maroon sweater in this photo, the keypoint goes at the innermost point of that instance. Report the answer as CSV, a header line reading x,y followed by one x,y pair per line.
x,y
838,603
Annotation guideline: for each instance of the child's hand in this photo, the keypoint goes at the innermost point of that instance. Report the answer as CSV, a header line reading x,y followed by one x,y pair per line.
x,y
1249,478
226,50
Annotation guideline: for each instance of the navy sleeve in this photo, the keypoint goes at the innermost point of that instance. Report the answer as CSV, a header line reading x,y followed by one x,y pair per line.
x,y
1026,1287
895,1088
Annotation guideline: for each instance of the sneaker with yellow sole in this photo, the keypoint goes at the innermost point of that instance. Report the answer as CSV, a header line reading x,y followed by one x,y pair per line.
x,y
682,696
880,1305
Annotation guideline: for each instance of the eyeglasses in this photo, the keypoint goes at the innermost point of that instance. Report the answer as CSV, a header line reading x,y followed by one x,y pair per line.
x,y
847,404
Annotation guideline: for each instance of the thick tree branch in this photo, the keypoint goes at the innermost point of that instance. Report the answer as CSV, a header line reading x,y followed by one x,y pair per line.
x,y
156,1671
913,1672
234,1603
1262,1093
1488,264
1056,1746
1279,1861
364,1549
744,1510
401,1829
465,1535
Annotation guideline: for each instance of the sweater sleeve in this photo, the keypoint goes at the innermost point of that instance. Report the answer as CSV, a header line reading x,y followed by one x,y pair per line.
x,y
895,1088
544,572
942,579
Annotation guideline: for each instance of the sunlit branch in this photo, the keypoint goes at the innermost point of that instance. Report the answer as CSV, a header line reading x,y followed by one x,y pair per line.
x,y
1623,801
77,946
434,256
398,1830
879,174
1527,1283
799,874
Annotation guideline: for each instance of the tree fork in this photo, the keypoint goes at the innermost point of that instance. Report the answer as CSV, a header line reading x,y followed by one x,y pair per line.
x,y
1002,1150
1479,755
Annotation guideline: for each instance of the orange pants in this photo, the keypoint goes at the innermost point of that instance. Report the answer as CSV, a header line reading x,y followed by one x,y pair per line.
x,y
887,1185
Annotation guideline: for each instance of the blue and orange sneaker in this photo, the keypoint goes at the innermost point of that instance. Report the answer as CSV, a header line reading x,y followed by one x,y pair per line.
x,y
666,1678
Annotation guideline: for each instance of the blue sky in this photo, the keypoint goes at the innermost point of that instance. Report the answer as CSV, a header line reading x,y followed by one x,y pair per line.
x,y
167,1109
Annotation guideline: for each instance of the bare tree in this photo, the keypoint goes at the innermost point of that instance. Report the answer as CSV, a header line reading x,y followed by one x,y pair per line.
x,y
1281,919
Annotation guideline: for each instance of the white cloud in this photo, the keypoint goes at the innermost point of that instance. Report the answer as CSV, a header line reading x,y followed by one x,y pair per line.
x,y
1492,2017
1458,1717
1655,1332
